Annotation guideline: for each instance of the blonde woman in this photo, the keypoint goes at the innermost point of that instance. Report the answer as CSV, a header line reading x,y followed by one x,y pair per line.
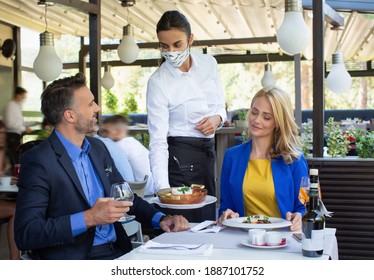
x,y
263,175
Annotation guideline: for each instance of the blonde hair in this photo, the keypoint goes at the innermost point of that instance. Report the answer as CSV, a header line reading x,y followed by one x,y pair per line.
x,y
285,142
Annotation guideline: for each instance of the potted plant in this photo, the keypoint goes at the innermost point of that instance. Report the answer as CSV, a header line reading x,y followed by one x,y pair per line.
x,y
337,140
364,143
241,122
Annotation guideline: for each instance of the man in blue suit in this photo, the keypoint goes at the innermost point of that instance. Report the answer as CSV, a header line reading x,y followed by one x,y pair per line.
x,y
63,209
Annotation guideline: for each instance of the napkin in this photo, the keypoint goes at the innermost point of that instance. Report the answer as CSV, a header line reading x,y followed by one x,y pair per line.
x,y
207,226
151,248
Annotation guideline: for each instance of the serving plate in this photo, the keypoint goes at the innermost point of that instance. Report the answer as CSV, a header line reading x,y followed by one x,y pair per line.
x,y
198,196
238,223
208,200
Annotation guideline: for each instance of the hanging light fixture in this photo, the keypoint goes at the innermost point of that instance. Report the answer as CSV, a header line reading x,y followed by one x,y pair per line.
x,y
107,80
47,65
338,80
268,79
128,50
293,35
8,49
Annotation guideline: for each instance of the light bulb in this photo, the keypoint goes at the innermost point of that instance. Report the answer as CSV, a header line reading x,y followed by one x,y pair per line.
x,y
107,81
293,35
268,79
338,80
128,50
47,65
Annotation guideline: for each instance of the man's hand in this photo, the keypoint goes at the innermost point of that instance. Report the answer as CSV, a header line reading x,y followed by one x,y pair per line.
x,y
208,125
106,211
174,223
28,130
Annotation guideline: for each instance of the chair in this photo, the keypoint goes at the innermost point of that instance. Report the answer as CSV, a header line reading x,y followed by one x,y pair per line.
x,y
139,187
133,227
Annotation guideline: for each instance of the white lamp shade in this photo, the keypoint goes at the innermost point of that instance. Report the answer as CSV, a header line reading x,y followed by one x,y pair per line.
x,y
128,50
107,81
268,79
339,80
47,65
293,35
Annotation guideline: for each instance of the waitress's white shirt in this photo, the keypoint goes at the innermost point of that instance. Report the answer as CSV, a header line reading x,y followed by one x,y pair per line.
x,y
176,101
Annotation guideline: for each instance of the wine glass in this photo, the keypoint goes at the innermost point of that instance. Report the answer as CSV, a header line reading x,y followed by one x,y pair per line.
x,y
122,192
304,190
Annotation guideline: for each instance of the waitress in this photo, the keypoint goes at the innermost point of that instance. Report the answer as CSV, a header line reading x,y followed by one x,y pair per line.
x,y
185,106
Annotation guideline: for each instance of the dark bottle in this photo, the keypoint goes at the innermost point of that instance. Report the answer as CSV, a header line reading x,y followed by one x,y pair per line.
x,y
313,221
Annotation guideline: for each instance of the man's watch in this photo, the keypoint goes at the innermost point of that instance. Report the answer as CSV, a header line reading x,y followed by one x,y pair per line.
x,y
220,124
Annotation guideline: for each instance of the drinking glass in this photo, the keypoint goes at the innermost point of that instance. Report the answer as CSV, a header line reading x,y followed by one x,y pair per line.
x,y
122,192
304,190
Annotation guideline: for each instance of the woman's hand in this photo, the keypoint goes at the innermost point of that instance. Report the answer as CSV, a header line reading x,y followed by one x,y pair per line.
x,y
208,125
228,214
295,219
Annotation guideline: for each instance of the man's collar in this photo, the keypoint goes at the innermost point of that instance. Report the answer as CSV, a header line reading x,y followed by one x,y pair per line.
x,y
73,151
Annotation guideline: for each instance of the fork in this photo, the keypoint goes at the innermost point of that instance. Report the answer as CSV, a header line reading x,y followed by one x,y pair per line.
x,y
176,247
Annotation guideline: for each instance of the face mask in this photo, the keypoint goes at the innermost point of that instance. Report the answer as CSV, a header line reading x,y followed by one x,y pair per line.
x,y
176,58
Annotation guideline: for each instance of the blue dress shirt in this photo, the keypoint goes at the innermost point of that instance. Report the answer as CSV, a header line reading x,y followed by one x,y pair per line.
x,y
92,187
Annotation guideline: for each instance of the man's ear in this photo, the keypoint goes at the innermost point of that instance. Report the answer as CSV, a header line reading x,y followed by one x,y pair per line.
x,y
69,116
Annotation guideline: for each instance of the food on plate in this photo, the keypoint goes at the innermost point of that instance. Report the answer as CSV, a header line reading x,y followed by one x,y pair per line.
x,y
182,190
182,195
257,219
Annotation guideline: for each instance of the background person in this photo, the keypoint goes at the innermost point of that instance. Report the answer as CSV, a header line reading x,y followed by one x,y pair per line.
x,y
263,175
14,123
7,207
185,106
116,128
63,209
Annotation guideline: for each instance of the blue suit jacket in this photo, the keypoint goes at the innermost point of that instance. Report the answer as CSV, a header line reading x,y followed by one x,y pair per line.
x,y
50,191
287,178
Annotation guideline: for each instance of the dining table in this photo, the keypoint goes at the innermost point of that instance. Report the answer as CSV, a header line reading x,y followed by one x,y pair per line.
x,y
228,244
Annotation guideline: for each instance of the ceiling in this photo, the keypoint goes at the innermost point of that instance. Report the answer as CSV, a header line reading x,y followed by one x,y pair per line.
x,y
210,19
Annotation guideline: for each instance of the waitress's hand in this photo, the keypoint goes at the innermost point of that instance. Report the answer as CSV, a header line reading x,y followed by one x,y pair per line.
x,y
228,214
295,219
208,125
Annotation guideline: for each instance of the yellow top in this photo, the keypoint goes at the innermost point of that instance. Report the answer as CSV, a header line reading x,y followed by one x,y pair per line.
x,y
258,189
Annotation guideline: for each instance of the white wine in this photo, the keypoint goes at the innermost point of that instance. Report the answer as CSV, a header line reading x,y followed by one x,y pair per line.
x,y
313,221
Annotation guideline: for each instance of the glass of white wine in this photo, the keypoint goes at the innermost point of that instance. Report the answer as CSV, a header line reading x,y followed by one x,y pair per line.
x,y
122,192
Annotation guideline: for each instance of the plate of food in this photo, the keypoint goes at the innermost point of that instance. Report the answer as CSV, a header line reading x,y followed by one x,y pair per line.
x,y
183,197
257,221
245,242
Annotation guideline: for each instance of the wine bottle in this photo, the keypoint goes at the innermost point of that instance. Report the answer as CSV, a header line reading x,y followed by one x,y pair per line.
x,y
313,221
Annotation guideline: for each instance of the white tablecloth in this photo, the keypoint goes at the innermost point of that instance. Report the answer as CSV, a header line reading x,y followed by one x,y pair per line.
x,y
227,245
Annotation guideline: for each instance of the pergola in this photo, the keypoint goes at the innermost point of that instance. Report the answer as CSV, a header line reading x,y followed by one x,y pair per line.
x,y
232,30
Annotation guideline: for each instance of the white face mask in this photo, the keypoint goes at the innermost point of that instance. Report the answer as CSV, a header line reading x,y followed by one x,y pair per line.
x,y
176,58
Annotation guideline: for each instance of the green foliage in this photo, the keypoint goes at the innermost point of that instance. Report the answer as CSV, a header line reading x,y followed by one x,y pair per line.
x,y
143,138
306,138
110,102
242,114
131,106
364,143
245,137
337,142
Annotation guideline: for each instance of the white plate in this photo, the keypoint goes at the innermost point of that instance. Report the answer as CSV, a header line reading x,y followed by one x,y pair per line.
x,y
208,200
246,243
238,223
11,188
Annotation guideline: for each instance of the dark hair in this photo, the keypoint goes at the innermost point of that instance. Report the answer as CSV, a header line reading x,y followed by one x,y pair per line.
x,y
19,90
116,119
174,20
58,97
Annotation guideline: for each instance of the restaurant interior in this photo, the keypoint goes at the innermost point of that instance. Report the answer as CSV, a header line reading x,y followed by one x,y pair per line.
x,y
233,31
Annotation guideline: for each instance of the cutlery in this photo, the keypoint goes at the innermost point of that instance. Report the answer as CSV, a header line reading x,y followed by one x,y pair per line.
x,y
176,247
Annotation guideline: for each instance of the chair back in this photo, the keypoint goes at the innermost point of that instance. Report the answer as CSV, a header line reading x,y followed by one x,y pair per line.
x,y
139,187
